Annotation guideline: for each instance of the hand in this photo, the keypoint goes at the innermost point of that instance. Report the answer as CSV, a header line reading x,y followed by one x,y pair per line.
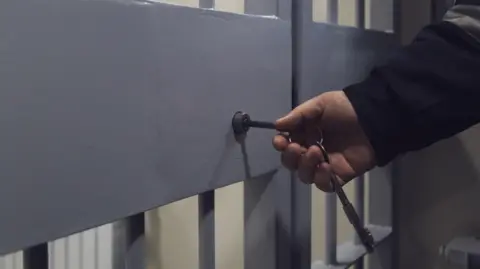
x,y
350,152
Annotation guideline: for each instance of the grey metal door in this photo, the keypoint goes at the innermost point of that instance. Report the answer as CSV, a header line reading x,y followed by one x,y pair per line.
x,y
110,108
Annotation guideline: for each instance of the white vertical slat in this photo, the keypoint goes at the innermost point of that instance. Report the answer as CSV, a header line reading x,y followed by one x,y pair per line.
x,y
12,261
103,254
89,249
19,260
9,262
188,3
319,10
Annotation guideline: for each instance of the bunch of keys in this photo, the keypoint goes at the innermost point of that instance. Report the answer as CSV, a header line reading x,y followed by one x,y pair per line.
x,y
241,123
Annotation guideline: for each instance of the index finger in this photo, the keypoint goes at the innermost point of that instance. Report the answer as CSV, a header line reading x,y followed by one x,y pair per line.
x,y
310,109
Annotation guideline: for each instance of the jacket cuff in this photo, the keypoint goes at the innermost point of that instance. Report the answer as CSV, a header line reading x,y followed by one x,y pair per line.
x,y
378,116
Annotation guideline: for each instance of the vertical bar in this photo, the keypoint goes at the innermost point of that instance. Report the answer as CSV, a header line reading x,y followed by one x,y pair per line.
x,y
96,249
259,215
206,3
129,243
301,199
330,229
284,9
360,208
261,7
381,214
206,230
66,260
80,250
283,221
36,257
332,12
360,8
359,187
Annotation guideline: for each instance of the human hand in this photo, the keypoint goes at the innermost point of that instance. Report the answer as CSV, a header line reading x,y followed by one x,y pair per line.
x,y
350,152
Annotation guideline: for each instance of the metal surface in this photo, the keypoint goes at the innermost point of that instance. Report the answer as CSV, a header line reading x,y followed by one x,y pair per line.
x,y
94,100
332,11
206,3
206,230
259,220
261,7
129,243
36,257
299,194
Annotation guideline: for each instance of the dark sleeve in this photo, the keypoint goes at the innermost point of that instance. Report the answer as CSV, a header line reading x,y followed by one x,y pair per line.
x,y
428,91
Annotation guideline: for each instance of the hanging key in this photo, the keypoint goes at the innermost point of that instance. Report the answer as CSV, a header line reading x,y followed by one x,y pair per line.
x,y
242,122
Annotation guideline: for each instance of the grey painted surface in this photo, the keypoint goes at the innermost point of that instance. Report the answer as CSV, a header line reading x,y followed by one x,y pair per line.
x,y
206,230
109,108
296,227
261,7
259,218
337,56
206,3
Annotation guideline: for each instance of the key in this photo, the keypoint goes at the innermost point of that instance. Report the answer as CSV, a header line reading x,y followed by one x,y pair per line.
x,y
363,233
242,122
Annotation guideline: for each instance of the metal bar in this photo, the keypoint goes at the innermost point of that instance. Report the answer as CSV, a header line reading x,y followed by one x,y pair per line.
x,y
380,214
206,3
360,9
36,257
332,11
284,221
359,189
284,9
206,230
330,229
301,201
261,7
96,249
128,243
259,215
80,250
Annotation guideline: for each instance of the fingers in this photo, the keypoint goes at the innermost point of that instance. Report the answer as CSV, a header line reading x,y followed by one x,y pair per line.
x,y
291,156
310,109
280,142
308,164
323,178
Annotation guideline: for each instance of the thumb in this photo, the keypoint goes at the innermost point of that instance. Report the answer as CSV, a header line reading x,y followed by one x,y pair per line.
x,y
309,110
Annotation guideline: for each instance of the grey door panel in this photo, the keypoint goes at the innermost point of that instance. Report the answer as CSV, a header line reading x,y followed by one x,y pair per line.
x,y
337,56
109,108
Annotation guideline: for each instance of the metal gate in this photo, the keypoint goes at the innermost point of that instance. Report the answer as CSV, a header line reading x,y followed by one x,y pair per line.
x,y
111,108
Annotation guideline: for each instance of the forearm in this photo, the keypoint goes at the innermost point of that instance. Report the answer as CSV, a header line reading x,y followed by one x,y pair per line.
x,y
428,91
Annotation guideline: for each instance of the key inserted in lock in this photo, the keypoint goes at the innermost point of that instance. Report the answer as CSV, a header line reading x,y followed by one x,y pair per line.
x,y
242,122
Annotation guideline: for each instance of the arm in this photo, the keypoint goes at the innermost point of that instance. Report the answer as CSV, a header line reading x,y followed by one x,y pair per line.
x,y
428,91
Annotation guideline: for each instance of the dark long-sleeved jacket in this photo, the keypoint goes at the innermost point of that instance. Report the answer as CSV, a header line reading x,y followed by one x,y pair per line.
x,y
428,91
